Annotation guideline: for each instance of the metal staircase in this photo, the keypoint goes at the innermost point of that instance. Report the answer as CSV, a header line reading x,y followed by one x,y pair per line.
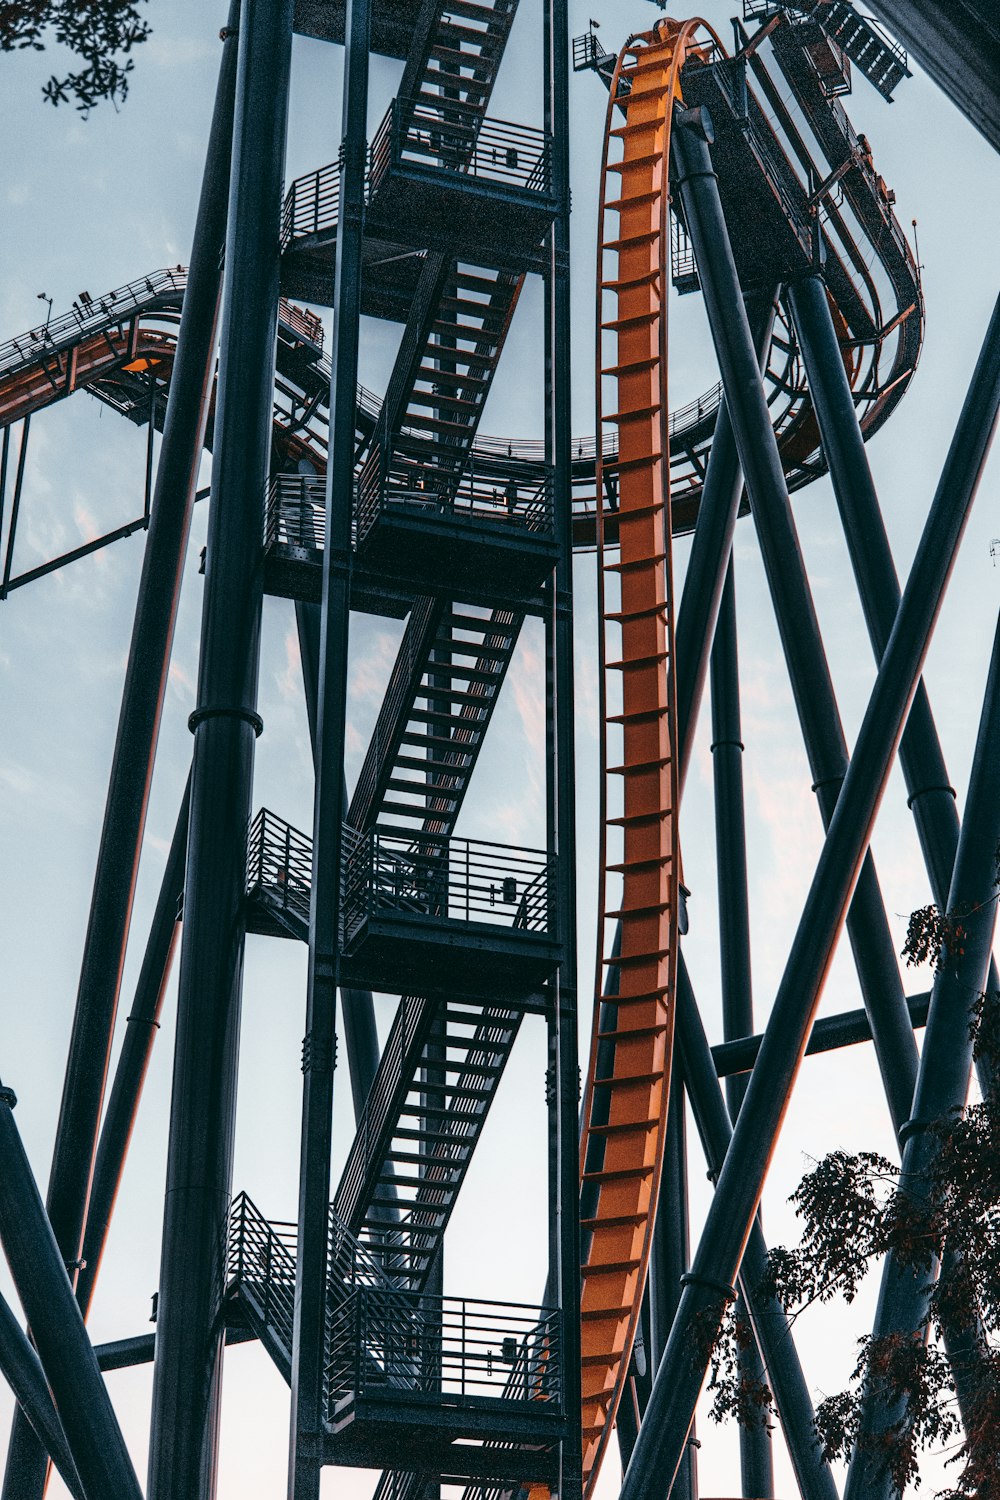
x,y
449,353
456,52
881,59
439,1073
444,686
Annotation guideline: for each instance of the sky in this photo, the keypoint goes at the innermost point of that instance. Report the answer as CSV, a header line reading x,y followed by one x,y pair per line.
x,y
91,204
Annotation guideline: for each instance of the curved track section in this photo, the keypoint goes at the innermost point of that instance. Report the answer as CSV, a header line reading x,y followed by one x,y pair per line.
x,y
625,1108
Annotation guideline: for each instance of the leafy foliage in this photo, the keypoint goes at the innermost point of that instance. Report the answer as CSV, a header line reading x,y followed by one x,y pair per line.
x,y
942,1227
101,33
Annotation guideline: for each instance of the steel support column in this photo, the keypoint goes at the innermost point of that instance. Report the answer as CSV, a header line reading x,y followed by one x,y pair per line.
x,y
22,1370
133,1061
942,1083
669,1265
561,775
188,1366
360,1030
756,1459
138,726
319,1045
145,683
812,686
67,1356
711,547
731,1214
931,796
813,1474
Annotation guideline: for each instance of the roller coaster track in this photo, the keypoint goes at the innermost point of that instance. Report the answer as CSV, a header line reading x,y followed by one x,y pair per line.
x,y
625,1108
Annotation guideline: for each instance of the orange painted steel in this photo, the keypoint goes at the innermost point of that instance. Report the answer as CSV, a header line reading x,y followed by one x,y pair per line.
x,y
622,1145
54,375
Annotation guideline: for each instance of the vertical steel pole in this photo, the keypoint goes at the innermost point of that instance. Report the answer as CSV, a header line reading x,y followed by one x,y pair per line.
x,y
711,547
319,1045
360,1030
15,504
669,1264
931,796
188,1367
562,814
138,726
756,1459
942,1085
730,1218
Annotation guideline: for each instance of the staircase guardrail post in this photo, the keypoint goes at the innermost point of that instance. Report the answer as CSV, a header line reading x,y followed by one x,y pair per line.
x,y
267,1277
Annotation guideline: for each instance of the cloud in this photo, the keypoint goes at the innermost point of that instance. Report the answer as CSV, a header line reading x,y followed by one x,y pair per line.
x,y
289,679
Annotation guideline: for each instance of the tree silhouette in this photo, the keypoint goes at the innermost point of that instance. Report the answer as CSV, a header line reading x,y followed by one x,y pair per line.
x,y
101,33
942,1227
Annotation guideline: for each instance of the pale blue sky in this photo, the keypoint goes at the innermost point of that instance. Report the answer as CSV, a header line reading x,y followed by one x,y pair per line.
x,y
91,205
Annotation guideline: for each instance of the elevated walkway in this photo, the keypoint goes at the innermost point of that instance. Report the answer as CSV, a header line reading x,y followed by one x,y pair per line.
x,y
450,916
449,1385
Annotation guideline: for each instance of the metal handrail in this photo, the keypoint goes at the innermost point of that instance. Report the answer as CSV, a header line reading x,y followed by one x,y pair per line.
x,y
409,1017
387,1340
279,864
454,137
472,880
260,1262
389,721
522,501
312,203
91,315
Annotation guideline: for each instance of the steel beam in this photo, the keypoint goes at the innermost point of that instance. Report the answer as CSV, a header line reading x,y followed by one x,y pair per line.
x,y
103,959
711,546
791,1393
942,1089
22,1370
133,1061
756,1458
319,1045
812,686
848,1029
360,1030
188,1366
67,1356
564,1190
931,796
731,1214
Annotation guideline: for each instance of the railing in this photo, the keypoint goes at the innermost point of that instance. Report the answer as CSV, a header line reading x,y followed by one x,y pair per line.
x,y
295,513
454,137
306,324
279,863
409,1018
387,1341
467,880
90,315
312,203
260,1260
522,502
589,53
388,724
683,270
